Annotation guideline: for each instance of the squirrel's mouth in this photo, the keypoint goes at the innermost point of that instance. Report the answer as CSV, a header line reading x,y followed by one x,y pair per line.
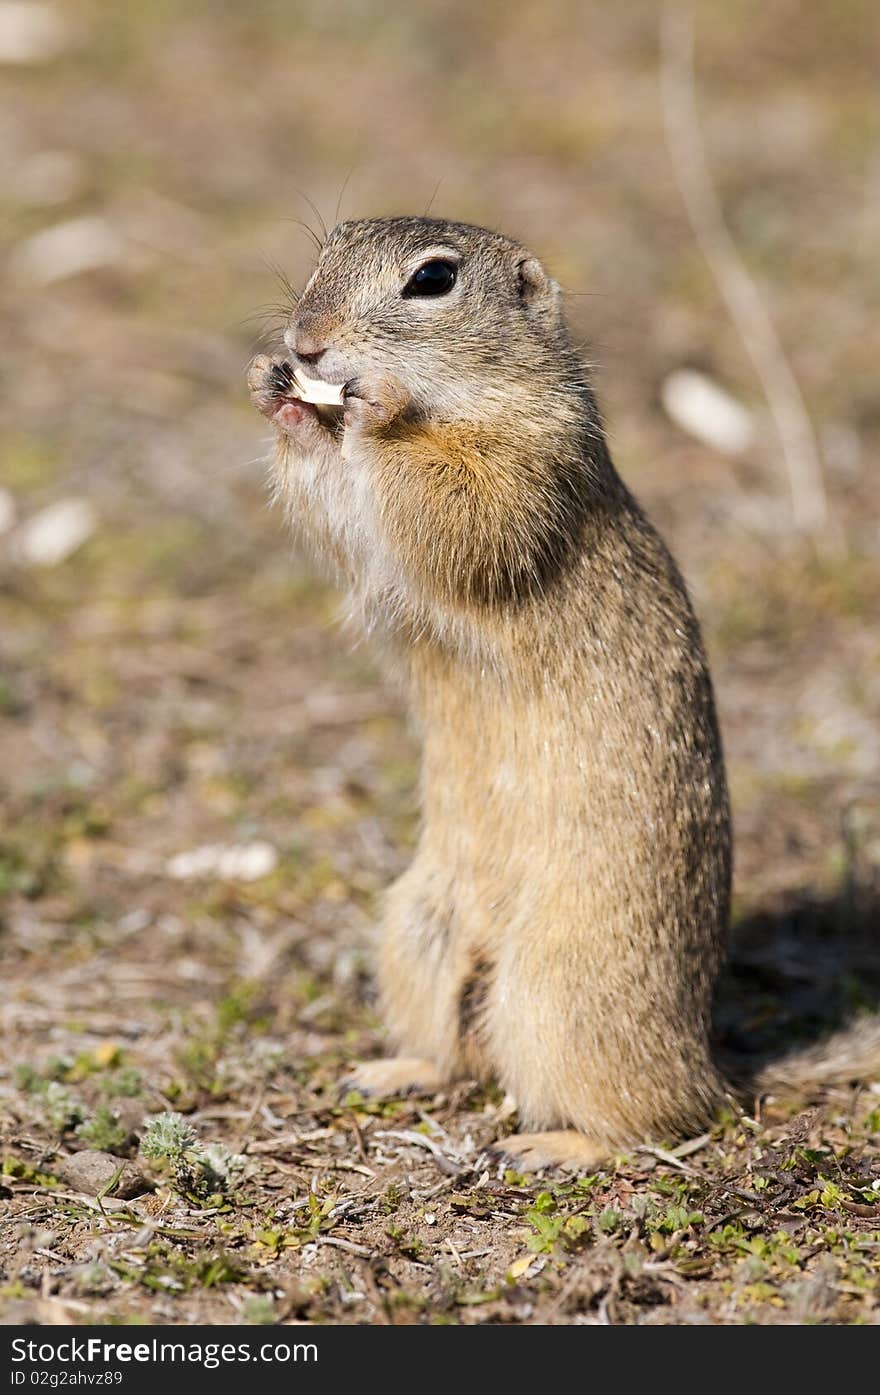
x,y
290,382
316,390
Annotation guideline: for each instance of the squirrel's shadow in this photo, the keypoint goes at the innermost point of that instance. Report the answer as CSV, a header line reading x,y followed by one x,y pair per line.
x,y
796,973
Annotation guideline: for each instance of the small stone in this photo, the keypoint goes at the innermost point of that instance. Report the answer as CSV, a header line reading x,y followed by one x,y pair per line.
x,y
31,32
248,862
707,411
90,1171
67,249
243,862
56,532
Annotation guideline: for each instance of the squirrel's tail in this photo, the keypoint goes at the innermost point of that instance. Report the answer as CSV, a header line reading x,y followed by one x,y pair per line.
x,y
851,1054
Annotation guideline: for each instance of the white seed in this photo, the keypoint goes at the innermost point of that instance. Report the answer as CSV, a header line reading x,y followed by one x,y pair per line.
x,y
316,391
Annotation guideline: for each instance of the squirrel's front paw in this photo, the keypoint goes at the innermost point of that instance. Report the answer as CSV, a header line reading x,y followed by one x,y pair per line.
x,y
271,386
269,381
373,400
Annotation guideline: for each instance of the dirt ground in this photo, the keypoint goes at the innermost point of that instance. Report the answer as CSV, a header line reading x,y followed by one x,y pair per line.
x,y
206,783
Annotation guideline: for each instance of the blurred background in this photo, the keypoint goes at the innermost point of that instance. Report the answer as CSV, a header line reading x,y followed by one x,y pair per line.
x,y
204,781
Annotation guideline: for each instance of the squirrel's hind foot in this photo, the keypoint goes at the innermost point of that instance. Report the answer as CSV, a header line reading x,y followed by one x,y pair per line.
x,y
559,1148
393,1075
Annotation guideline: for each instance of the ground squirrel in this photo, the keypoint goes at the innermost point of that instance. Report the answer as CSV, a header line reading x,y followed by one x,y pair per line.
x,y
561,926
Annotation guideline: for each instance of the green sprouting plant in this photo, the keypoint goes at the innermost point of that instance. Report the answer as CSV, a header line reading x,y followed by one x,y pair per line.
x,y
671,1219
311,1216
26,1172
226,1167
391,1198
28,1079
410,1246
61,1109
168,1138
554,1229
319,1216
94,1280
104,1130
198,1170
170,1141
166,1269
258,1311
125,1082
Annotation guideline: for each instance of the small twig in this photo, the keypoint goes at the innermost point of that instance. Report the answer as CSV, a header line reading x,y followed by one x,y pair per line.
x,y
360,1250
359,1141
379,1301
108,1187
350,1167
728,1216
246,1126
741,295
691,1145
453,1251
669,1158
52,1254
421,1140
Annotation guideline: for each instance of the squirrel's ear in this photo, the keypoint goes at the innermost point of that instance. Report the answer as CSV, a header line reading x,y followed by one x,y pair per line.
x,y
537,290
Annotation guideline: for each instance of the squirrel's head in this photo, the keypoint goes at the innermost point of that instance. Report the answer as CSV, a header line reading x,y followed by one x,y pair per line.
x,y
456,313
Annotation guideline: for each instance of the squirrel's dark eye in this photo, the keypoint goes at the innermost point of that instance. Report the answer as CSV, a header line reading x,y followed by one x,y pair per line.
x,y
434,278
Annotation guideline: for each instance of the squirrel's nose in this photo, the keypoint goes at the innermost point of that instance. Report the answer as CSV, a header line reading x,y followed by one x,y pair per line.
x,y
307,347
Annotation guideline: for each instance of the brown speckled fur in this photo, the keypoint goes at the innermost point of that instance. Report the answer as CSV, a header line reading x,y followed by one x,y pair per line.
x,y
561,926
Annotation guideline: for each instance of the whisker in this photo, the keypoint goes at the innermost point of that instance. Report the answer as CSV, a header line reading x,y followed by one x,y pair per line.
x,y
273,310
433,197
345,184
310,232
317,212
287,286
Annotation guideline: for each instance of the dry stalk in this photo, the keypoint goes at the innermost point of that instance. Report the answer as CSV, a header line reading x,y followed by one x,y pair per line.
x,y
809,503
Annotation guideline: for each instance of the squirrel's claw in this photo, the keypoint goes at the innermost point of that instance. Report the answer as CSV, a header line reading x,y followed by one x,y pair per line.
x,y
269,381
